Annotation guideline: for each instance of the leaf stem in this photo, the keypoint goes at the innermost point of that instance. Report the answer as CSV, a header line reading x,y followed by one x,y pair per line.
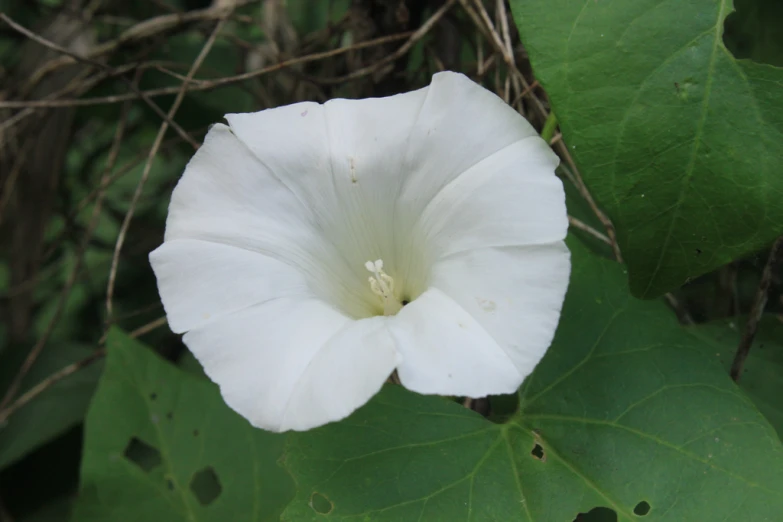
x,y
549,127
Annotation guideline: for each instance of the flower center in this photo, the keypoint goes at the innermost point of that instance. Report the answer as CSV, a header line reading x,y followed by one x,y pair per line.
x,y
382,285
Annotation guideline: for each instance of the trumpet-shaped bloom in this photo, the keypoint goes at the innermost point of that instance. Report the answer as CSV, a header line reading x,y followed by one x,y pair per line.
x,y
311,250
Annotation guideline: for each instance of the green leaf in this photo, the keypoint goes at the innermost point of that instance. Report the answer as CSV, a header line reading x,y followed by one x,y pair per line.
x,y
762,378
56,409
160,444
679,141
626,411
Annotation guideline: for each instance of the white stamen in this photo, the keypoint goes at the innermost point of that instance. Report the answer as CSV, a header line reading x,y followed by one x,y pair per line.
x,y
382,285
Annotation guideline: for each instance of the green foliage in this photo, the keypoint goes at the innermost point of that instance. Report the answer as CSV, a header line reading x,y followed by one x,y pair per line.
x,y
625,409
630,416
54,411
680,141
161,444
762,378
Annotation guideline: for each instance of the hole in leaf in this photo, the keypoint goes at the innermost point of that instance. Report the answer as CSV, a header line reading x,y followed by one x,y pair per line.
x,y
599,514
321,504
206,486
538,452
142,454
642,508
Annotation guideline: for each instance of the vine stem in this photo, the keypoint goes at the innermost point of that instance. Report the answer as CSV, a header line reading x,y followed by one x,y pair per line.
x,y
549,127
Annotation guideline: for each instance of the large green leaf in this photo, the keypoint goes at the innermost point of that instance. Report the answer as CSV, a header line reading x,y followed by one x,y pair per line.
x,y
678,140
625,411
58,408
160,444
762,378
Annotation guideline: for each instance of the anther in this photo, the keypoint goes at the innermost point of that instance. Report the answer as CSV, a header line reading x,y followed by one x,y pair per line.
x,y
382,285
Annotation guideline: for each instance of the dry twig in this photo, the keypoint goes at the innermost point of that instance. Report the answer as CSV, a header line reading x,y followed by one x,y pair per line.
x,y
141,31
756,311
35,352
47,383
204,85
153,152
396,55
53,46
482,21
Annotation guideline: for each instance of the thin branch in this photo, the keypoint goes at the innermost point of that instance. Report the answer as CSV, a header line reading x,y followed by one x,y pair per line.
x,y
576,178
397,54
501,9
147,328
581,225
71,369
148,166
755,312
13,176
53,46
524,93
203,85
682,313
146,29
47,383
483,22
35,352
76,85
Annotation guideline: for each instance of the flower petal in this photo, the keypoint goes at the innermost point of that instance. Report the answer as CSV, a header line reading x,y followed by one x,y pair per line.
x,y
460,124
294,363
515,294
511,198
200,281
343,158
228,196
446,351
343,375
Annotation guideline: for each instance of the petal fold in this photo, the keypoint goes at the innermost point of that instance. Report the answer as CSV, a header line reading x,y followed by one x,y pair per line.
x,y
200,281
515,294
294,363
446,351
511,198
460,124
228,196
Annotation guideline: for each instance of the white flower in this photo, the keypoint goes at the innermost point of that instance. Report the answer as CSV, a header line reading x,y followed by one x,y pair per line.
x,y
312,249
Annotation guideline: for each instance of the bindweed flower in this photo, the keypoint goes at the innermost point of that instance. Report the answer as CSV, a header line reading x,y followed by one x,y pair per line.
x,y
311,250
